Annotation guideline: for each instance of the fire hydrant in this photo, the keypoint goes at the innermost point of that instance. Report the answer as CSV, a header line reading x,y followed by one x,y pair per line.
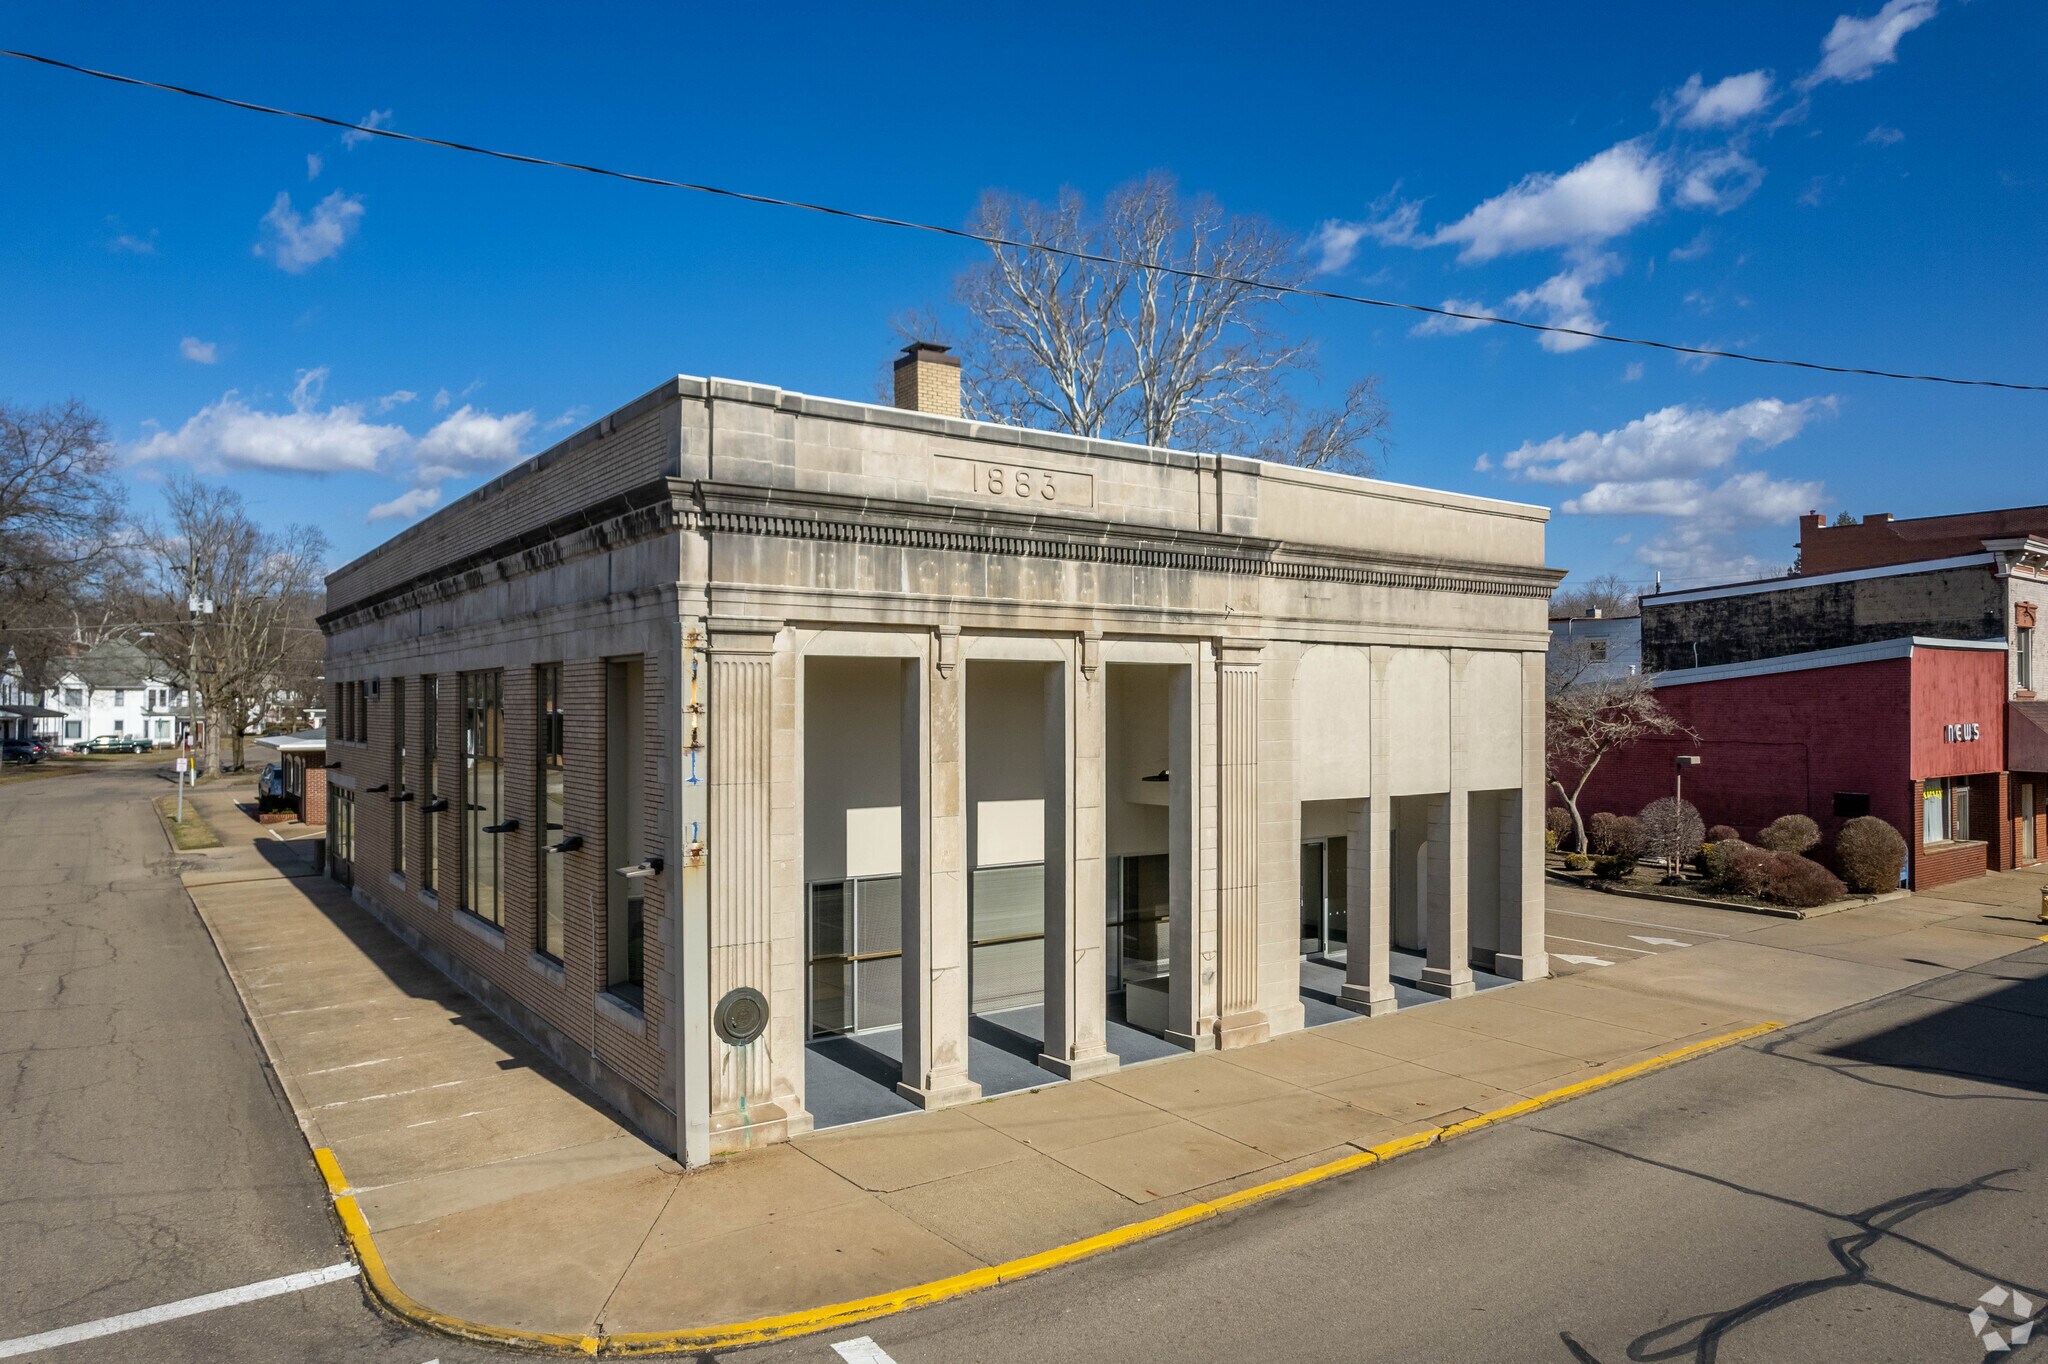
x,y
2044,904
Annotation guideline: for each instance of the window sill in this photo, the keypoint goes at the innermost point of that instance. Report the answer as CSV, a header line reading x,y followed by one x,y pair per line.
x,y
397,880
620,1012
1949,845
480,928
429,899
548,968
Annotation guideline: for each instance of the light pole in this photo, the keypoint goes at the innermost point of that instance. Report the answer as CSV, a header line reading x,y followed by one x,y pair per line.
x,y
1678,766
195,607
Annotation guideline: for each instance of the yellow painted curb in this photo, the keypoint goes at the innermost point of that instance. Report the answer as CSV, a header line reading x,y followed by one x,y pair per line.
x,y
841,1314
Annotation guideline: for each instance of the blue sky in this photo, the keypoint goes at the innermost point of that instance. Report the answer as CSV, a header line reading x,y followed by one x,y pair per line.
x,y
347,330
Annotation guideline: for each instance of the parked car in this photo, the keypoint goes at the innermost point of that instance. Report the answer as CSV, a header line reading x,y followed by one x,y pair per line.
x,y
114,743
23,752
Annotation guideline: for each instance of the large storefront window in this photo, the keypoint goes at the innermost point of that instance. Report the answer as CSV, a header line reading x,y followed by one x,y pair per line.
x,y
398,777
547,747
430,744
1945,810
483,795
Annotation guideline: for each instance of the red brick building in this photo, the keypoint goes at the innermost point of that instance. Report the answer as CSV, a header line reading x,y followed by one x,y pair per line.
x,y
1878,541
1910,730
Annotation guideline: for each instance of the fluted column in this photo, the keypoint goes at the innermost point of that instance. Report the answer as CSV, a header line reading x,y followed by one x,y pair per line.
x,y
1241,1022
750,1103
1522,953
1447,968
935,930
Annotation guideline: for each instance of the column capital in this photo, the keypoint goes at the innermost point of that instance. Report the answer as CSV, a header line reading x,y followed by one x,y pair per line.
x,y
1239,653
741,635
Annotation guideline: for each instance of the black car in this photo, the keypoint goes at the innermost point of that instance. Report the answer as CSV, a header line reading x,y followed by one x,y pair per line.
x,y
21,751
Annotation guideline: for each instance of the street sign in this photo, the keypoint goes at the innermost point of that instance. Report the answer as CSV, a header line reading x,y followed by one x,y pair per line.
x,y
181,766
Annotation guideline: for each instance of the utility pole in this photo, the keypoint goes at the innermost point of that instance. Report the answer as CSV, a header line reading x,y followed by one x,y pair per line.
x,y
194,609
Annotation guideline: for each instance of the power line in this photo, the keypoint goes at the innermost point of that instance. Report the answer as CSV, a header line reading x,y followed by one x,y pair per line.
x,y
989,239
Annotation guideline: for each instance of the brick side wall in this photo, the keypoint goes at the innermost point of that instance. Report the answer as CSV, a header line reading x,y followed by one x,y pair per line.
x,y
1878,540
1955,603
1958,687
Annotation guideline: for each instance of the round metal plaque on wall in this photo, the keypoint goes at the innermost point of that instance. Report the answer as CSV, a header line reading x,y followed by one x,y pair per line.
x,y
741,1016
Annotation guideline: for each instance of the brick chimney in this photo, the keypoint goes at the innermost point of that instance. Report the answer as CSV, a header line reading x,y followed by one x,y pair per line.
x,y
928,380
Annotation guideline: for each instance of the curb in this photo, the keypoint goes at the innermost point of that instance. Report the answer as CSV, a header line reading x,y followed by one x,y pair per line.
x,y
377,1279
1767,911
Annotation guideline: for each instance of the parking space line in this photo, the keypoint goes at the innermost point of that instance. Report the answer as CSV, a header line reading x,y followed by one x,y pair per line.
x,y
861,1350
171,1311
1589,942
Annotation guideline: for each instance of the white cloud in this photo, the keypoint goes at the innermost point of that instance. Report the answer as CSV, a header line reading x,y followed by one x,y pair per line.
x,y
467,440
376,118
1720,181
298,243
1599,199
1677,442
396,398
1563,302
441,400
1633,373
1750,498
1335,242
1854,48
199,352
1883,136
1701,243
1731,100
231,434
313,165
411,503
1451,326
130,244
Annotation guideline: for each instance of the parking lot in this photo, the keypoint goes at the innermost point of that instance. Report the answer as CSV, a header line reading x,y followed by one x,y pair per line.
x,y
1590,931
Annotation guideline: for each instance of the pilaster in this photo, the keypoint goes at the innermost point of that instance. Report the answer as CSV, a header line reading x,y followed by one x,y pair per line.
x,y
1241,1021
1522,955
1447,968
1368,961
1076,1029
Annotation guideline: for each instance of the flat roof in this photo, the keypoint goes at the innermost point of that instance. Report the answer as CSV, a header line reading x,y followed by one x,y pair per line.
x,y
1813,580
1848,655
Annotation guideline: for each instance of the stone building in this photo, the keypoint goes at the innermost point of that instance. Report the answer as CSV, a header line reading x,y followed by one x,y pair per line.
x,y
742,725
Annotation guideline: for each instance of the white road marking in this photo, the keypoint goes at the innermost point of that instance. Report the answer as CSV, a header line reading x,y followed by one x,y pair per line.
x,y
1660,942
1581,961
171,1311
394,1094
861,1350
1636,923
1610,946
354,1065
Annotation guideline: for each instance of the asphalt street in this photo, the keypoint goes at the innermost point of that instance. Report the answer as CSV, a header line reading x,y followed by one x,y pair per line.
x,y
1846,1190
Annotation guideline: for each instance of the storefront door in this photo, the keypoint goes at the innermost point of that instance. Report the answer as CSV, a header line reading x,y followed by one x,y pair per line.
x,y
2027,821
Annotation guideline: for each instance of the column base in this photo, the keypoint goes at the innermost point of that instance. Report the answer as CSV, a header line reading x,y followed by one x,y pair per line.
x,y
1374,1001
1451,984
1242,1030
946,1094
1525,966
762,1124
1084,1068
1195,1041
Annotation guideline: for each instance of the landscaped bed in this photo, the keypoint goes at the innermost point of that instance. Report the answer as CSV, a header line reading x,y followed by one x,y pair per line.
x,y
1650,882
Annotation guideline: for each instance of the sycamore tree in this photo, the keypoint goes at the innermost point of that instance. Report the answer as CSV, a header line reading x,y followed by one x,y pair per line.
x,y
1132,348
265,585
61,536
1586,717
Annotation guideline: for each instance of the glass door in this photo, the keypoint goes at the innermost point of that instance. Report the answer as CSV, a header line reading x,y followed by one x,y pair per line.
x,y
2027,821
1315,898
856,955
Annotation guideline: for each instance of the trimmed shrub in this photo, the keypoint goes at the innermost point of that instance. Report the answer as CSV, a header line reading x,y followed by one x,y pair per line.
x,y
1789,834
1871,853
1671,831
1722,832
1577,861
1617,868
1799,882
1550,840
1615,836
1557,822
1735,867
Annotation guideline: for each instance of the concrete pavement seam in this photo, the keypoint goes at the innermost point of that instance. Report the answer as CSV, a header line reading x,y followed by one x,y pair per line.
x,y
377,1278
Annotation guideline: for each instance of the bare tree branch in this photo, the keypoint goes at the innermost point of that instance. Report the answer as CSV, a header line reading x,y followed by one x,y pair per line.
x,y
1585,720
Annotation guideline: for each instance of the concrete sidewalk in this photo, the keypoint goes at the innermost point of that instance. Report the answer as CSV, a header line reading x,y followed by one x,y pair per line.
x,y
500,1192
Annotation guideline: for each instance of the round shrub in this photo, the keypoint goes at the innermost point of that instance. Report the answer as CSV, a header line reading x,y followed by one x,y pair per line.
x,y
1722,832
1615,836
1871,853
1614,868
1790,834
1799,882
1577,861
1671,830
1557,822
1735,867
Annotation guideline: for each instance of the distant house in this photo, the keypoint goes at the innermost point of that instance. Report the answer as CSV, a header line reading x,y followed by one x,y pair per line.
x,y
116,688
1597,647
23,711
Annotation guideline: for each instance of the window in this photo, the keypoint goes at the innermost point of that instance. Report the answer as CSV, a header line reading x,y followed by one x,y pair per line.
x,y
74,697
625,899
1945,810
1596,651
430,745
483,795
362,713
2023,657
547,748
397,775
74,729
117,726
120,696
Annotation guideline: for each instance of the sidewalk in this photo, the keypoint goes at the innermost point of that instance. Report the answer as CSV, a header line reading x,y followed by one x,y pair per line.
x,y
497,1191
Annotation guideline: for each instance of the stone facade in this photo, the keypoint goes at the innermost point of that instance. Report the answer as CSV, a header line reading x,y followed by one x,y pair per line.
x,y
726,561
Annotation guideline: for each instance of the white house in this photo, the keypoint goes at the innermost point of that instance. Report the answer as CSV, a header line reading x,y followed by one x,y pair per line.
x,y
116,688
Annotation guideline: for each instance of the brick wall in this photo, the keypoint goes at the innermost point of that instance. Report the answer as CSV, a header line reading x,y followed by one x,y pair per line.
x,y
1879,540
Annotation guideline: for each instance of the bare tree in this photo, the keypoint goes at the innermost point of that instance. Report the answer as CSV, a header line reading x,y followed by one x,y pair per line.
x,y
264,586
1171,339
1672,831
1584,720
1610,594
60,538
